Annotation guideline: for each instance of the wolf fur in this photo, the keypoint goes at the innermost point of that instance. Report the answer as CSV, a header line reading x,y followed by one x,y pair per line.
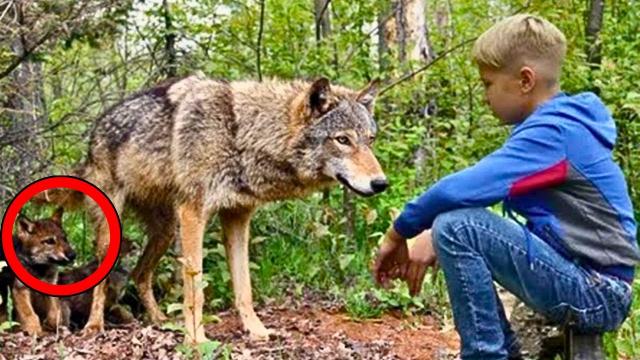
x,y
190,148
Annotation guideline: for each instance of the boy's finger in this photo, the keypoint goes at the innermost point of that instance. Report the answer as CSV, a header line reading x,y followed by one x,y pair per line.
x,y
382,274
397,271
419,279
378,267
385,282
411,279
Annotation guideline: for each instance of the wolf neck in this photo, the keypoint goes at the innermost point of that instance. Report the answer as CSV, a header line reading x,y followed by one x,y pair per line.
x,y
269,126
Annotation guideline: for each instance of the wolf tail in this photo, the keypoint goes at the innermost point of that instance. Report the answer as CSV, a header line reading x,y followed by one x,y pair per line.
x,y
67,198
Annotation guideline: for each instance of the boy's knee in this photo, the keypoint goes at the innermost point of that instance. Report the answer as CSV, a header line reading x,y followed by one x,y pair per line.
x,y
446,225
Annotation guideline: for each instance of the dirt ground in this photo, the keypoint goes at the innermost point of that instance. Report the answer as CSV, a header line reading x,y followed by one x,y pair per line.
x,y
303,332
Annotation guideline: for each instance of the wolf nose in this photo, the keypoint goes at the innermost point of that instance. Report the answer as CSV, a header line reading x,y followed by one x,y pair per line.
x,y
71,256
379,185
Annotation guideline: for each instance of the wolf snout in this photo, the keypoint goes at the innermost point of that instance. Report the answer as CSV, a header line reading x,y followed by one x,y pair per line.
x,y
379,185
71,255
64,258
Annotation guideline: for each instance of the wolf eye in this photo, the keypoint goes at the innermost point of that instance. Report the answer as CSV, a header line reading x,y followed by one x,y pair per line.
x,y
49,241
343,140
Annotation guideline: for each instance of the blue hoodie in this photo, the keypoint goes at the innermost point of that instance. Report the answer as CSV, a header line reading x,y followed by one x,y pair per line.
x,y
557,170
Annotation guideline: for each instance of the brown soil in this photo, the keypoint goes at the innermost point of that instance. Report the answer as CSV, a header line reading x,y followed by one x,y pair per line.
x,y
302,332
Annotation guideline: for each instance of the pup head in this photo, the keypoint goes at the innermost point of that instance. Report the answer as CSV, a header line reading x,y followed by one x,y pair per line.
x,y
44,241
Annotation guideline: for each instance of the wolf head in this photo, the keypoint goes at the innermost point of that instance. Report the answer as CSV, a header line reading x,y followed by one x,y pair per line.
x,y
337,131
44,242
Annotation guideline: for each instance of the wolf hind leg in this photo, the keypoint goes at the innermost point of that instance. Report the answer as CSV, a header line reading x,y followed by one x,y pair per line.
x,y
160,224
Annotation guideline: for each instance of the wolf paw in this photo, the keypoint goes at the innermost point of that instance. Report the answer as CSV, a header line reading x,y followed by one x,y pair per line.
x,y
260,333
158,317
92,328
33,330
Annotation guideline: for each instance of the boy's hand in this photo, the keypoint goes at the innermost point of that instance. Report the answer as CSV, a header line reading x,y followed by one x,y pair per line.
x,y
421,256
393,258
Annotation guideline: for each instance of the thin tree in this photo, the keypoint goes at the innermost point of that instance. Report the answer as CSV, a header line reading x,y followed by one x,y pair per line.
x,y
592,33
259,44
170,67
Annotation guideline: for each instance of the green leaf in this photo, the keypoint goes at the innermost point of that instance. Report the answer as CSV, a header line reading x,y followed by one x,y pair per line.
x,y
174,307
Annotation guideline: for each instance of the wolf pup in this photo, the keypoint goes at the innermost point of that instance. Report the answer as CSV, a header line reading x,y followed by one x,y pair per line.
x,y
189,148
75,309
41,246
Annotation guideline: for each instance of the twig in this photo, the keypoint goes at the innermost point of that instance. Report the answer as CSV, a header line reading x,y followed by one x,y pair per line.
x,y
321,14
369,34
27,52
428,65
259,45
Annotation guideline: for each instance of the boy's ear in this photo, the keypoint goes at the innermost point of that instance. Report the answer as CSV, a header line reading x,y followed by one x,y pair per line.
x,y
25,226
367,96
319,97
57,215
527,79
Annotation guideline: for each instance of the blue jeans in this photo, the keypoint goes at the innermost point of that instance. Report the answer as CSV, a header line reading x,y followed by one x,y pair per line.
x,y
476,247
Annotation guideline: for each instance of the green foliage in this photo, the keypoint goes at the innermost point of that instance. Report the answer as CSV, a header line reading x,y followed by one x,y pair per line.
x,y
206,351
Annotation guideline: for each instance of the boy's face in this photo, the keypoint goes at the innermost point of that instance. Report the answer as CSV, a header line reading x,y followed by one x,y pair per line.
x,y
505,93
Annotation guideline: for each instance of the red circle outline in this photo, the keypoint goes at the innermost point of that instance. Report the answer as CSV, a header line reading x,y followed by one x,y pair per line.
x,y
109,211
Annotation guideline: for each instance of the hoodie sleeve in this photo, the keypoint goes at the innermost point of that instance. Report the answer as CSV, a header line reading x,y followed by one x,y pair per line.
x,y
532,158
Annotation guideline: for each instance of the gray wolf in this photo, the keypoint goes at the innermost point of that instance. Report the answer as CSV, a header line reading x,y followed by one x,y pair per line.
x,y
41,246
189,148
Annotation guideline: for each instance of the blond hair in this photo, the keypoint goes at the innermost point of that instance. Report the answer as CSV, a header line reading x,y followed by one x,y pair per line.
x,y
522,40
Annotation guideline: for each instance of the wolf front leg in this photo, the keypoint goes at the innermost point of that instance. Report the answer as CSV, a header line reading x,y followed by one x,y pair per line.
x,y
95,324
192,225
235,225
29,320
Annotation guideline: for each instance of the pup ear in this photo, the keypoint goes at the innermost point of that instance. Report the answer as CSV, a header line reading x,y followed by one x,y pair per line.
x,y
367,96
319,97
57,215
25,226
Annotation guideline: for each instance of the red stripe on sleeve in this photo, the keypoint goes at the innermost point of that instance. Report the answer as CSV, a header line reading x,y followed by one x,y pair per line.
x,y
552,176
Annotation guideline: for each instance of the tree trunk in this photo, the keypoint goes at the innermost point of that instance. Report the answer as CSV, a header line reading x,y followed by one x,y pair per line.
x,y
594,25
171,63
323,22
383,47
401,30
416,29
23,159
407,31
259,45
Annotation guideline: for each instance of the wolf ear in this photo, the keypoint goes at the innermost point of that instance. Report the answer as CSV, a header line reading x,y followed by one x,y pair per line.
x,y
367,96
25,226
57,215
319,97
